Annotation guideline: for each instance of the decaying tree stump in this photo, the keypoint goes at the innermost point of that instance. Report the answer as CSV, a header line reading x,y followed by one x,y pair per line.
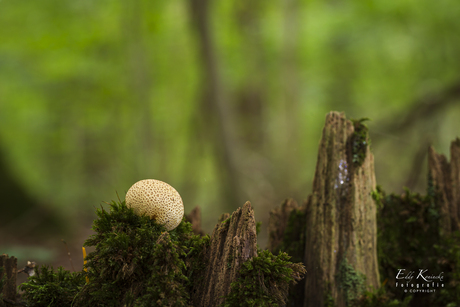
x,y
341,234
233,241
286,230
278,223
340,252
445,179
8,271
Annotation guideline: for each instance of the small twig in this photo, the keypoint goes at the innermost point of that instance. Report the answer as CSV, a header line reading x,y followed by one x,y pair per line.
x,y
68,253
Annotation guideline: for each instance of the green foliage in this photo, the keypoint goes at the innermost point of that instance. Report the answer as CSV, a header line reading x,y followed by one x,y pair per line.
x,y
52,288
138,263
264,281
124,78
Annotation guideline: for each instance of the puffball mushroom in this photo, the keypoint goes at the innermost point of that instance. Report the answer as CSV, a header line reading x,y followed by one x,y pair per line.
x,y
158,200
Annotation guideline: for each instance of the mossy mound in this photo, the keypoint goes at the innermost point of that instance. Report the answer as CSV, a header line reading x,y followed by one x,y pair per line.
x,y
137,262
52,288
264,281
409,238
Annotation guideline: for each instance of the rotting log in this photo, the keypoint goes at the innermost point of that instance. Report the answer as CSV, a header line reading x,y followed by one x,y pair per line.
x,y
445,181
233,241
8,272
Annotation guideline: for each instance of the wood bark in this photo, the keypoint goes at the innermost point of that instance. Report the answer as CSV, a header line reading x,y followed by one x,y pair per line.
x,y
341,218
278,222
233,241
194,217
445,179
286,230
9,272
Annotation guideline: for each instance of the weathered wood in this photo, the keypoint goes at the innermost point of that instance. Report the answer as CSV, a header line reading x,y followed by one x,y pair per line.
x,y
9,271
278,223
233,241
445,179
194,217
286,229
341,234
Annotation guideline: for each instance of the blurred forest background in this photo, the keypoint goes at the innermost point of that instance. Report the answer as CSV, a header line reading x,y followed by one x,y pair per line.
x,y
224,100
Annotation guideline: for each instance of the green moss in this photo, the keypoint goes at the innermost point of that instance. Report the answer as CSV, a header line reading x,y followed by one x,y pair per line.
x,y
135,263
264,281
328,299
407,232
352,283
448,251
294,245
294,236
258,226
52,288
359,141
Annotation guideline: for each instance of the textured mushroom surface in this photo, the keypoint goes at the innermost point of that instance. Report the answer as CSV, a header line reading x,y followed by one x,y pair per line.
x,y
158,200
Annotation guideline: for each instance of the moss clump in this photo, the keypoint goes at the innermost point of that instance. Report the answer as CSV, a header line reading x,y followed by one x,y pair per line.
x,y
138,263
449,258
408,229
293,244
359,141
264,281
352,283
52,288
328,299
294,236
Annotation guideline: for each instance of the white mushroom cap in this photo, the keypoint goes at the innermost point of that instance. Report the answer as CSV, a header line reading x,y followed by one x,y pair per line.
x,y
158,200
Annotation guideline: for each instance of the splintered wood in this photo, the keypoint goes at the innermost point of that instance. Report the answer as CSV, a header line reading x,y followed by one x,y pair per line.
x,y
8,270
445,180
233,241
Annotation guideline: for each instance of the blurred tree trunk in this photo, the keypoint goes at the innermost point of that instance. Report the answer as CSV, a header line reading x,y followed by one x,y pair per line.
x,y
215,114
445,180
21,213
8,270
150,143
